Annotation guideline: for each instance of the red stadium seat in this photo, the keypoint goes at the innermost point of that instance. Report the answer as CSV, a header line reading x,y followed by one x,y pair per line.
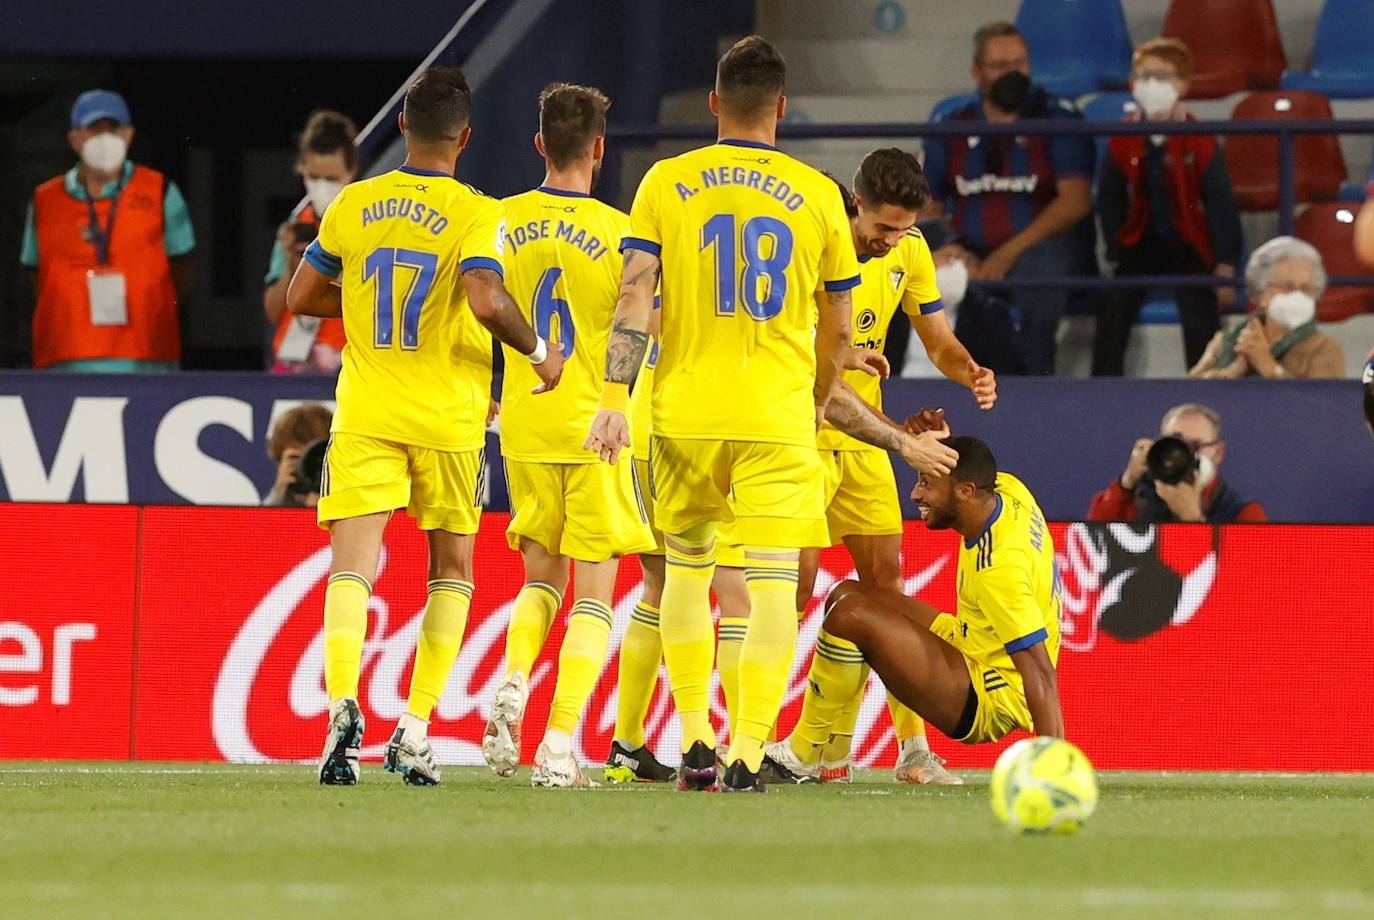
x,y
1253,159
1235,44
1331,228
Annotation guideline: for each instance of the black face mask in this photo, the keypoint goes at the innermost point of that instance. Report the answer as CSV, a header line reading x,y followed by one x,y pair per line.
x,y
1008,92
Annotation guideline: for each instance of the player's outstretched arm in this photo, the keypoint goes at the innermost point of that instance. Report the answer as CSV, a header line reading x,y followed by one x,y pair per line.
x,y
832,343
497,311
313,293
952,358
848,412
629,342
1042,689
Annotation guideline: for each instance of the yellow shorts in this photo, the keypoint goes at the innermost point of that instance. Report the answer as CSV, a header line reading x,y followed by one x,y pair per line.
x,y
363,475
1001,695
728,552
588,511
770,492
860,494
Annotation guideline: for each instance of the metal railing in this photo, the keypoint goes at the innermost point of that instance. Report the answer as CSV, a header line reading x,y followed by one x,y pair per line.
x,y
1286,131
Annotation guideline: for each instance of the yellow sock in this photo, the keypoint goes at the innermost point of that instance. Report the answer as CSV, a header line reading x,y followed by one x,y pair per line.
x,y
729,641
766,656
580,661
345,628
535,607
687,631
842,732
441,635
907,724
837,673
640,652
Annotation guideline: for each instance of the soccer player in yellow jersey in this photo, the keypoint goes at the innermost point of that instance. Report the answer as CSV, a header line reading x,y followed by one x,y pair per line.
x,y
756,270
417,258
561,267
861,492
976,674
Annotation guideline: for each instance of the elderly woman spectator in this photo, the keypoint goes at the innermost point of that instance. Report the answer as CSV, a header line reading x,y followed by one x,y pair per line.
x,y
1284,278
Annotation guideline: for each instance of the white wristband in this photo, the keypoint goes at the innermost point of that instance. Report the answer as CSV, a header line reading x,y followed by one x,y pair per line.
x,y
540,353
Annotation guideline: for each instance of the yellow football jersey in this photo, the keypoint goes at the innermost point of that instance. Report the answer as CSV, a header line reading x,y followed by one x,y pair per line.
x,y
905,277
563,271
747,236
1008,585
417,366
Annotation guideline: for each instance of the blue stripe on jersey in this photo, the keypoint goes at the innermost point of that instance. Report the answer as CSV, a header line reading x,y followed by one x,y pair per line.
x,y
1025,642
842,284
475,262
739,142
417,171
322,260
562,192
634,242
987,525
935,306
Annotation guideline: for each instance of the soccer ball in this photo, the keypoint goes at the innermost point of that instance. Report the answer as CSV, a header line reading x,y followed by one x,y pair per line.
x,y
1043,786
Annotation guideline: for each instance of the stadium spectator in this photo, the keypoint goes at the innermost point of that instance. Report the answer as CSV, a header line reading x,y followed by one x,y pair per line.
x,y
1166,208
292,433
982,320
1204,497
108,244
1364,228
1284,278
326,162
1015,200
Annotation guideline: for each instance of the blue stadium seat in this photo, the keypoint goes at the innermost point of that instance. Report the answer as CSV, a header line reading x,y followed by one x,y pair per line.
x,y
1076,46
949,104
1106,107
1343,55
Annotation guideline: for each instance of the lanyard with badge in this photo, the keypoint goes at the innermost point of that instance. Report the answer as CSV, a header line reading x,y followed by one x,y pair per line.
x,y
104,283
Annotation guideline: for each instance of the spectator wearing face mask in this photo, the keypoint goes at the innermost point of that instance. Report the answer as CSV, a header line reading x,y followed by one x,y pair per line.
x,y
982,321
108,244
327,161
1166,208
1015,200
1284,278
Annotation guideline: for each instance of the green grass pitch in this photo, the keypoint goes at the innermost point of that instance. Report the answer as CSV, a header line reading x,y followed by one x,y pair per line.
x,y
177,840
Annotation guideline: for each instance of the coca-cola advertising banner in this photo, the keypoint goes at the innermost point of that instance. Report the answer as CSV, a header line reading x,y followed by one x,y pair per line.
x,y
177,633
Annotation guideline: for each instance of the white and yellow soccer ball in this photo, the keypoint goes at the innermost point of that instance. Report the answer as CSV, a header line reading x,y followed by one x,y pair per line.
x,y
1043,786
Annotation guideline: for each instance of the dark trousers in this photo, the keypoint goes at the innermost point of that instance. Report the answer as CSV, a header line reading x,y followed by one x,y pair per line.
x,y
1197,307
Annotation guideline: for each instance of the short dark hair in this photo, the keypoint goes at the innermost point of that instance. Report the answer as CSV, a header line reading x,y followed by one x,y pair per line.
x,y
892,176
438,105
987,32
750,76
329,132
571,118
976,462
851,209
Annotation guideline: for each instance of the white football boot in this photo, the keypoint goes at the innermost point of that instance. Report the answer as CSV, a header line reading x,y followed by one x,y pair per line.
x,y
409,754
501,740
558,771
924,768
342,744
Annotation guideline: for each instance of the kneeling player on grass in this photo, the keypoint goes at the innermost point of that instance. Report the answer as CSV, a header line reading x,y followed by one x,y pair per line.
x,y
975,675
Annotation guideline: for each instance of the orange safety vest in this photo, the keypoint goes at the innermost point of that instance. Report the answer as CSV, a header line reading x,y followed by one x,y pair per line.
x,y
62,329
331,331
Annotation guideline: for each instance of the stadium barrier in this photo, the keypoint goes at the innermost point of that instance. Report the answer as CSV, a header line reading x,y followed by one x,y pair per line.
x,y
175,633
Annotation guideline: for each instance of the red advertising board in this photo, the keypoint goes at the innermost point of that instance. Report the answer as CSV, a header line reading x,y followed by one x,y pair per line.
x,y
67,630
1185,647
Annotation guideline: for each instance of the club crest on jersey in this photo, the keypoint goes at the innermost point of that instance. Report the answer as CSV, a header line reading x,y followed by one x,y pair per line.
x,y
897,274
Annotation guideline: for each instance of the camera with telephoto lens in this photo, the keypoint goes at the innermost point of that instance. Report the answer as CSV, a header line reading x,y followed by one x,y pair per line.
x,y
1171,460
309,471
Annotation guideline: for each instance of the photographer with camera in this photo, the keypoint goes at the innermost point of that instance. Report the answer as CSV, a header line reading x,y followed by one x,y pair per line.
x,y
326,162
1175,477
296,445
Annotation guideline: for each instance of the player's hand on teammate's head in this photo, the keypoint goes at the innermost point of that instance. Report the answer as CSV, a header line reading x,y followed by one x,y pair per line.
x,y
928,454
609,434
983,384
871,362
551,368
928,420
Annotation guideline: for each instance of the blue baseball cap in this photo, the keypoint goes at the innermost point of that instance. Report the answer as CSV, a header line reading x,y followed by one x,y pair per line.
x,y
95,104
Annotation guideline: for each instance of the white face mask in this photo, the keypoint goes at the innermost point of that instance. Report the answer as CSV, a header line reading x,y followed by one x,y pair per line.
x,y
1156,97
1206,471
952,281
322,193
104,152
1291,309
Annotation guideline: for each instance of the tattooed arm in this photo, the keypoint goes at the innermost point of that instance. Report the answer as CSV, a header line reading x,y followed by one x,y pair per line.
x,y
849,413
832,343
494,308
624,353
